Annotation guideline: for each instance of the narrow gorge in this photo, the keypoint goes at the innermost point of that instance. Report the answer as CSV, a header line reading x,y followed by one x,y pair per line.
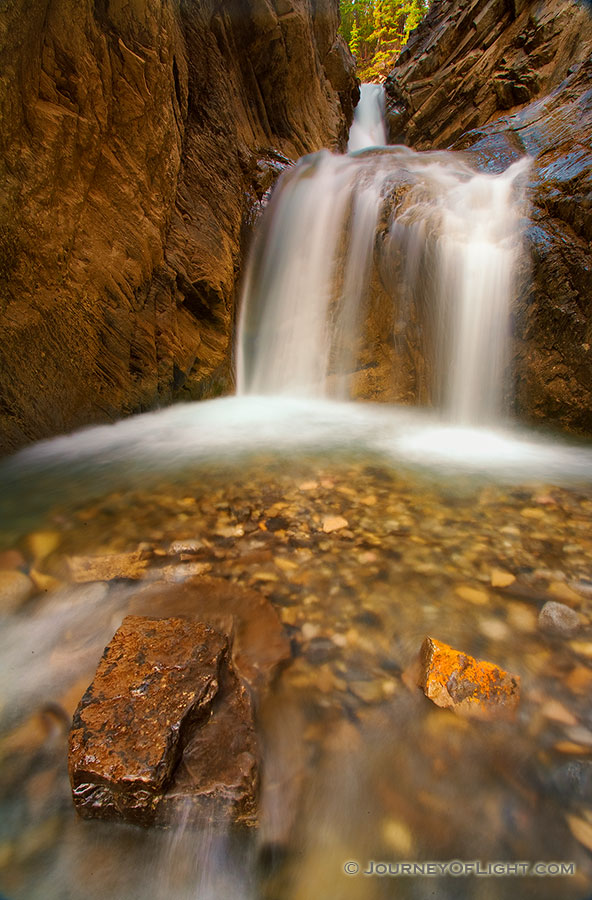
x,y
296,485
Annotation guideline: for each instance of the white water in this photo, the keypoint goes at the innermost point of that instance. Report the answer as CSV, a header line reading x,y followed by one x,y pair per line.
x,y
284,324
172,438
368,128
450,228
459,232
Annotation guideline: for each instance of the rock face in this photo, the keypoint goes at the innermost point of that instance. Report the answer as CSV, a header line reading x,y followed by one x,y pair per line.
x,y
165,729
134,137
472,60
552,359
531,60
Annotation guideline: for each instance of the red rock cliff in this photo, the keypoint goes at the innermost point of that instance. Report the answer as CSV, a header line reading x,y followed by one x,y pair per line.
x,y
133,135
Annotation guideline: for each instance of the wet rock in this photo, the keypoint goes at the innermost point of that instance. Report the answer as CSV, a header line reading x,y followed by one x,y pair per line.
x,y
44,582
572,781
558,619
182,548
42,543
571,748
525,91
471,687
564,593
501,578
473,595
494,629
397,836
521,617
464,64
106,568
310,630
367,691
321,649
579,680
183,570
334,523
557,712
156,679
217,777
11,559
164,686
277,523
582,648
15,589
369,618
230,531
259,644
581,830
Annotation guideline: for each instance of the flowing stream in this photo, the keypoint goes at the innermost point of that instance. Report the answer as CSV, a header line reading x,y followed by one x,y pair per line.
x,y
454,235
367,527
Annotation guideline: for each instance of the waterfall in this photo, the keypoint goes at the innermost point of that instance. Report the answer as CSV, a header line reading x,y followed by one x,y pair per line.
x,y
451,235
368,126
459,232
285,335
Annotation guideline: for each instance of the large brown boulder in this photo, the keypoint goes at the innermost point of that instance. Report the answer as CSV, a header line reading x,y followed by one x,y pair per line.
x,y
165,731
132,141
259,645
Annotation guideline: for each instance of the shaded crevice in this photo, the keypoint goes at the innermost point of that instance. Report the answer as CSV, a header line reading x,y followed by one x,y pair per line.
x,y
200,299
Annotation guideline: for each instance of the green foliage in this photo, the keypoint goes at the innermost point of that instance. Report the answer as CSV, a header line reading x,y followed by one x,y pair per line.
x,y
377,30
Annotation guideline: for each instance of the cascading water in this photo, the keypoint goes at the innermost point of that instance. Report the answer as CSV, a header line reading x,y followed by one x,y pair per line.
x,y
459,232
368,129
308,279
361,528
298,319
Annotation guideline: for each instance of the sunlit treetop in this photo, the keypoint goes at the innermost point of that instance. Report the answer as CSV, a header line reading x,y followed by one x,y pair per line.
x,y
377,30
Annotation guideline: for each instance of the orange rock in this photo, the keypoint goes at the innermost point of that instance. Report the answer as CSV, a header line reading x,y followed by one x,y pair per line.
x,y
334,523
469,686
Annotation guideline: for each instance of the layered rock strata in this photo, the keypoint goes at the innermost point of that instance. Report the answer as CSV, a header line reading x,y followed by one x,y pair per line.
x,y
134,139
472,60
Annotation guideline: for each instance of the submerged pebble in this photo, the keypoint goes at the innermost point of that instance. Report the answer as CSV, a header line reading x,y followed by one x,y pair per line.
x,y
558,619
15,589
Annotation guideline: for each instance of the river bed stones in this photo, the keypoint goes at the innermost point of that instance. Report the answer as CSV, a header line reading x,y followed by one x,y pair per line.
x,y
469,686
105,568
352,607
559,620
153,696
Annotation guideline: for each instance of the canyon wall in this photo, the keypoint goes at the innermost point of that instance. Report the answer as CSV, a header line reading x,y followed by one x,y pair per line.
x,y
500,79
136,137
